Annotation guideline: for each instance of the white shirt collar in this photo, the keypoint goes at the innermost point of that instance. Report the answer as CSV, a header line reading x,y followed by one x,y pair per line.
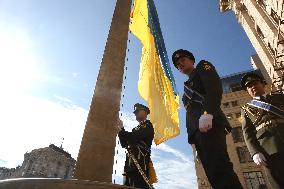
x,y
258,97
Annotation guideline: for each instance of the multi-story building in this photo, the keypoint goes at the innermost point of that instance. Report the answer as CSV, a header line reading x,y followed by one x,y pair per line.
x,y
49,162
251,176
263,22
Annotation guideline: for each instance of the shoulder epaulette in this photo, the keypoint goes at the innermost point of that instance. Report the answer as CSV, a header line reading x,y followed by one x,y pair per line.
x,y
204,66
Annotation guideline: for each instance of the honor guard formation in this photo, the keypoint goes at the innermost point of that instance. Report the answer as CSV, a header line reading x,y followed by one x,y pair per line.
x,y
207,127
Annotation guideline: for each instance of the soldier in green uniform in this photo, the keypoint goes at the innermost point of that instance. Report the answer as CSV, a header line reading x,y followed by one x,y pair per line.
x,y
138,144
263,128
206,123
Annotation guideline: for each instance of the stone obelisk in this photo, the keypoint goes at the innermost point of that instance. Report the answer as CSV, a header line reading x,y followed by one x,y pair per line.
x,y
94,166
96,155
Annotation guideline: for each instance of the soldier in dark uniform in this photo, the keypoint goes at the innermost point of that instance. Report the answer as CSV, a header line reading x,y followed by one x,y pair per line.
x,y
138,144
263,128
205,122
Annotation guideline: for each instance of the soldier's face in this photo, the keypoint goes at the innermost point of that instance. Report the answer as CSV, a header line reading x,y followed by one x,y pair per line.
x,y
256,88
141,115
185,65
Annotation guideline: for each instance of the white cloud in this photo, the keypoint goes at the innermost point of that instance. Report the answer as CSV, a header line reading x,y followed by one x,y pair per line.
x,y
74,74
2,163
174,168
22,66
67,103
19,61
28,123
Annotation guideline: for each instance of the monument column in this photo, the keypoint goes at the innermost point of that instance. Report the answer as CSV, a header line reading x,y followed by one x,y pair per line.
x,y
96,155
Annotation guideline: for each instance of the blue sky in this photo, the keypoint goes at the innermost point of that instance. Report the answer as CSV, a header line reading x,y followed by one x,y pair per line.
x,y
50,53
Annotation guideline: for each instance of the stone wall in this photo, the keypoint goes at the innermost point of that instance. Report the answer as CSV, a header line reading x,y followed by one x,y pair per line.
x,y
49,162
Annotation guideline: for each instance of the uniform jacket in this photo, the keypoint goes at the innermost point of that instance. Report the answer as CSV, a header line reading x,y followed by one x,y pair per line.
x,y
139,141
204,80
270,138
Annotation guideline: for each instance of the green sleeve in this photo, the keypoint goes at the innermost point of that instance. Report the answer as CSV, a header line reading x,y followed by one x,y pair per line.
x,y
249,133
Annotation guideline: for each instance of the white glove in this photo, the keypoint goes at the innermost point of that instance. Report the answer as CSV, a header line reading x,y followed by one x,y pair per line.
x,y
259,159
119,124
205,122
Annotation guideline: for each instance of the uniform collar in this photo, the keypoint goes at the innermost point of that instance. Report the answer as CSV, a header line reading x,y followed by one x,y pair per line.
x,y
191,76
258,97
142,122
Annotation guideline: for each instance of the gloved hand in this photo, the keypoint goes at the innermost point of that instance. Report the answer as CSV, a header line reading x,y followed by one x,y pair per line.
x,y
259,159
119,124
205,122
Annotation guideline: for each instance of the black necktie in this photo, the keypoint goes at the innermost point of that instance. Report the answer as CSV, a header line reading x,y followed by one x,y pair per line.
x,y
262,98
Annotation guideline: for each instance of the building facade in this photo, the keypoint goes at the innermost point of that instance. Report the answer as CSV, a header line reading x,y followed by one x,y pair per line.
x,y
251,176
49,162
263,23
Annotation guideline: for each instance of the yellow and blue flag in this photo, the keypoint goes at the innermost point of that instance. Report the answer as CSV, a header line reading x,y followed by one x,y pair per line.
x,y
156,83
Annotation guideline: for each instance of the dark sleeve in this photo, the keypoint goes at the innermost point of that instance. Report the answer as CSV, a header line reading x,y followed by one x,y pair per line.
x,y
249,133
185,101
122,139
212,85
136,135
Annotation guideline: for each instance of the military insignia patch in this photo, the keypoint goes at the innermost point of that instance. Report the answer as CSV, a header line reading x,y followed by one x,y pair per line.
x,y
207,67
249,79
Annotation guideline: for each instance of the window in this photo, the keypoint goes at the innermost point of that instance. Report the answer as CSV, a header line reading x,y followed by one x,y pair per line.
x,y
236,87
238,115
252,19
237,134
67,172
244,155
229,116
244,8
254,180
261,3
225,5
226,105
260,32
274,16
271,49
235,103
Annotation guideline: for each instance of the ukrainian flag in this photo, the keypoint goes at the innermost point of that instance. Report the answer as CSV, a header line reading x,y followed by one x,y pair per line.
x,y
156,83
